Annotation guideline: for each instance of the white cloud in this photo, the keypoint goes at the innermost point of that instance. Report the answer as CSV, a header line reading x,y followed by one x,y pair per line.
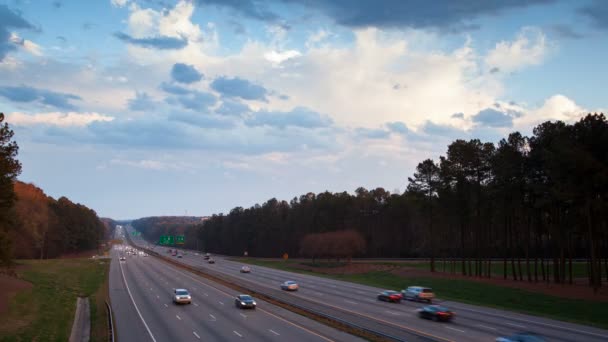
x,y
56,119
27,45
529,48
119,3
557,107
279,57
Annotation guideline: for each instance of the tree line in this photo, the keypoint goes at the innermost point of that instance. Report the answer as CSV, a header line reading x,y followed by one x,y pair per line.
x,y
534,203
34,225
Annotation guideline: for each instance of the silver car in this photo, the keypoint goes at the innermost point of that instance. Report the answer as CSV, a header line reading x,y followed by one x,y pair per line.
x,y
289,285
181,296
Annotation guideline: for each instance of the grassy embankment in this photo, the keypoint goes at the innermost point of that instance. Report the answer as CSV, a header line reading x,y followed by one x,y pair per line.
x,y
46,311
472,292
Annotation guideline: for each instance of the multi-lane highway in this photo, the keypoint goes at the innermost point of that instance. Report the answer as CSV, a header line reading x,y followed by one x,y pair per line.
x,y
140,293
472,323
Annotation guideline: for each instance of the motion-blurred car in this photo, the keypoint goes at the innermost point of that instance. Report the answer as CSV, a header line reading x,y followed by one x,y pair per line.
x,y
244,301
436,313
211,261
179,256
289,285
122,258
390,296
181,296
245,269
418,293
522,337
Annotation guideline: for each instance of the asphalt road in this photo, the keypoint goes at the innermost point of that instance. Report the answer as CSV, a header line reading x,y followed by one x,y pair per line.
x,y
140,292
472,323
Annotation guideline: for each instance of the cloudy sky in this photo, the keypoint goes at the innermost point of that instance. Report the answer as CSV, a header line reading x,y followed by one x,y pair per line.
x,y
147,107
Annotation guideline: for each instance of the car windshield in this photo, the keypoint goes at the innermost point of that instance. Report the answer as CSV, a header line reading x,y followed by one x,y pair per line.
x,y
181,292
246,298
440,308
391,292
427,290
290,282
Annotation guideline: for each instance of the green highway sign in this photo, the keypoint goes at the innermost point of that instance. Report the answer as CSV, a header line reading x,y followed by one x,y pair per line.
x,y
180,239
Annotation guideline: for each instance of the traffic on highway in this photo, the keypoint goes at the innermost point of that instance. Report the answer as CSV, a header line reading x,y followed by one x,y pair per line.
x,y
413,313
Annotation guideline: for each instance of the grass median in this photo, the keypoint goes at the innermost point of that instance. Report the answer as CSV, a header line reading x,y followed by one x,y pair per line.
x,y
472,292
46,311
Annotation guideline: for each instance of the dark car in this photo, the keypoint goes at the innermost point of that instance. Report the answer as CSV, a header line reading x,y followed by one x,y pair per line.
x,y
436,313
522,337
390,296
179,256
211,261
244,302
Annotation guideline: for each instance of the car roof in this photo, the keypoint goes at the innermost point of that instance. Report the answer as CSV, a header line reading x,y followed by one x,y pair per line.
x,y
181,290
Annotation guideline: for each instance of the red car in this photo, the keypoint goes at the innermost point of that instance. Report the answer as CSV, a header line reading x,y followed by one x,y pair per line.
x,y
390,296
436,313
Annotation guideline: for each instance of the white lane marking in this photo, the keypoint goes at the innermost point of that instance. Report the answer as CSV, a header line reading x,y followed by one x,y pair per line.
x,y
445,326
516,325
237,334
206,295
244,316
195,304
166,305
212,317
274,332
319,293
360,292
350,301
392,312
195,334
539,323
135,305
485,326
178,317
151,289
221,303
157,297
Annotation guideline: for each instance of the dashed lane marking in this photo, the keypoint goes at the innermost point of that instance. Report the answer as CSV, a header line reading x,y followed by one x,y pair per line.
x,y
237,333
274,332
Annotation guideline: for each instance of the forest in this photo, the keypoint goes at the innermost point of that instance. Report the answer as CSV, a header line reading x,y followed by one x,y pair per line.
x,y
34,225
539,201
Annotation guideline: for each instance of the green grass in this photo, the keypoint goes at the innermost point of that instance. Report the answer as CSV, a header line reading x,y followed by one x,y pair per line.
x,y
579,269
46,311
472,292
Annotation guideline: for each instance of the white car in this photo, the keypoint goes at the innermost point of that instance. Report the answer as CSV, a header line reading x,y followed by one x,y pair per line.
x,y
245,269
181,296
289,285
122,258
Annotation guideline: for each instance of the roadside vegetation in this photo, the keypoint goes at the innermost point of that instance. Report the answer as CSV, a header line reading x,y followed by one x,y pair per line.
x,y
471,292
46,311
537,203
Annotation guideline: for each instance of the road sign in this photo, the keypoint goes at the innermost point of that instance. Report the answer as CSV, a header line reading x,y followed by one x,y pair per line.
x,y
180,239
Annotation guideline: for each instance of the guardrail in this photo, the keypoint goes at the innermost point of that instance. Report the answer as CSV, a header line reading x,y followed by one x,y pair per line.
x,y
110,323
265,293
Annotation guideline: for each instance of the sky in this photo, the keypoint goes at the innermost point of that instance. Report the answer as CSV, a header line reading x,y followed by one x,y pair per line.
x,y
145,107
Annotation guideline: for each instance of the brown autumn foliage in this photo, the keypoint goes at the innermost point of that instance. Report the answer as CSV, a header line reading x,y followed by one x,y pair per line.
x,y
337,244
48,228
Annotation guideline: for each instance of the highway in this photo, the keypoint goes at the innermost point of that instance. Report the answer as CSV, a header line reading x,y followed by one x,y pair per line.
x,y
471,323
140,294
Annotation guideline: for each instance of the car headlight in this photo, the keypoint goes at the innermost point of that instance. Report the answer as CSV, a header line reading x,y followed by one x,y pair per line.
x,y
254,303
242,303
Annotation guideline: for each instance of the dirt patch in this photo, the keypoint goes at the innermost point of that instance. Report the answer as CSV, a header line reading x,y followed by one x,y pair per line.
x,y
578,290
10,287
352,268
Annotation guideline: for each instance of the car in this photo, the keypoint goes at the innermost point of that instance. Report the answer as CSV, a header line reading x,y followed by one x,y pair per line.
x,y
206,257
169,250
122,258
390,296
179,256
244,301
522,337
436,313
181,296
418,293
211,261
289,285
245,269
